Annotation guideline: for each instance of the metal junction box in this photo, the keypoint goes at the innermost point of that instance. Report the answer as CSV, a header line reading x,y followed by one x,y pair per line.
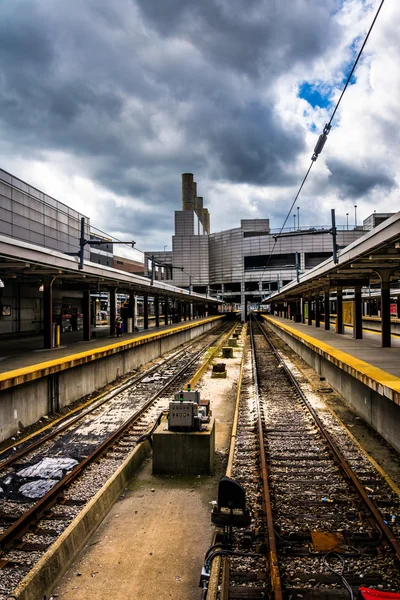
x,y
182,414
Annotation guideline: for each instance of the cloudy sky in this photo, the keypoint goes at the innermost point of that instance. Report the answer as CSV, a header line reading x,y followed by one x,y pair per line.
x,y
103,104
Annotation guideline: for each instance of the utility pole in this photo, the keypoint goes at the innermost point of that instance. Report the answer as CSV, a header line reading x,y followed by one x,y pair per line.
x,y
347,221
298,266
84,242
333,232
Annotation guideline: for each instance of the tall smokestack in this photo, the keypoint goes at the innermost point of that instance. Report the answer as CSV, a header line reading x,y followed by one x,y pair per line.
x,y
195,195
188,191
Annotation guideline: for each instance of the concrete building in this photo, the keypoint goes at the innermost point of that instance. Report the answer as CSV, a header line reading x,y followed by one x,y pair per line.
x,y
29,215
128,265
247,263
103,253
44,290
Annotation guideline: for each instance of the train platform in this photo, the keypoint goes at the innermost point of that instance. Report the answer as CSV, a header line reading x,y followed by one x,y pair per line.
x,y
364,373
365,354
24,356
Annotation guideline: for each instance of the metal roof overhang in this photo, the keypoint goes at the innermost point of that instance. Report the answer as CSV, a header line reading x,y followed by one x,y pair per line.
x,y
23,261
358,264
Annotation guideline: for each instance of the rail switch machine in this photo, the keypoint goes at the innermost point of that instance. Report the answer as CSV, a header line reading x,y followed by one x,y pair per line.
x,y
186,413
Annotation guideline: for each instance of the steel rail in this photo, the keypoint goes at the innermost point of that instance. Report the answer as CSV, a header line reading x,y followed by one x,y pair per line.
x,y
200,372
92,404
96,404
24,523
339,458
213,585
276,584
235,422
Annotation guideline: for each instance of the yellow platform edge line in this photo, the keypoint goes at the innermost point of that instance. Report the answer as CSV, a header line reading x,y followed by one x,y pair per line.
x,y
37,367
382,377
65,416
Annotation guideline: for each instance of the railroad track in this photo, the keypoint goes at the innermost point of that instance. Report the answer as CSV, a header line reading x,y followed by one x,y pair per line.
x,y
322,515
45,484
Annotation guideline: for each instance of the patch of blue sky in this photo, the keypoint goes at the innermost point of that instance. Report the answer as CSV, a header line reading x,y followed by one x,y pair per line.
x,y
318,93
337,7
314,94
354,49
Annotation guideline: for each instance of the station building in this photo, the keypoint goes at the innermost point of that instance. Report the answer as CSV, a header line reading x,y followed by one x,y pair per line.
x,y
43,288
245,264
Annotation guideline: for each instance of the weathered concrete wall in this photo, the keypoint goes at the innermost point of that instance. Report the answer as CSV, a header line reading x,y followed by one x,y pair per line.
x,y
41,580
184,453
18,406
380,412
25,404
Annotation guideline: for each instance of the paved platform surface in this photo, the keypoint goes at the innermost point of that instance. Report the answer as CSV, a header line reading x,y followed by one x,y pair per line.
x,y
368,349
152,543
19,353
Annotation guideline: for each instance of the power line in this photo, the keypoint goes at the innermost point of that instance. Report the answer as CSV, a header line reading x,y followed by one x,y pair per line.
x,y
356,61
324,135
287,216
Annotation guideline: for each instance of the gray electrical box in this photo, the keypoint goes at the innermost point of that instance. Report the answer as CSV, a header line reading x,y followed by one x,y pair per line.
x,y
183,415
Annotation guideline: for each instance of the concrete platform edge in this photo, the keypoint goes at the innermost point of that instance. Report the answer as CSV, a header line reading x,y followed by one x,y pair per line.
x,y
42,579
378,380
16,377
375,407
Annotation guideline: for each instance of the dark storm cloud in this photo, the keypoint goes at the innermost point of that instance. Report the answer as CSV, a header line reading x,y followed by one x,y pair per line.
x,y
127,219
256,36
358,181
256,148
141,92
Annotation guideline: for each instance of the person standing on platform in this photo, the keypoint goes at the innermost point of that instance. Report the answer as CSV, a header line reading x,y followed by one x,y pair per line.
x,y
119,326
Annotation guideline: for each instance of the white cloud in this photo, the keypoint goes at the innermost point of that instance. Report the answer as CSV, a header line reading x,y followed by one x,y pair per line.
x,y
123,101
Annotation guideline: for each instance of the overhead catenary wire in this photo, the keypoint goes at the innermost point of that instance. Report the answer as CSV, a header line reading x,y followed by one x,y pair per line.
x,y
356,62
324,135
287,217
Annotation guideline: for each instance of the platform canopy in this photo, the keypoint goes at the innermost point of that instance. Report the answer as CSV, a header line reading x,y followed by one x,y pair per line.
x,y
373,259
21,261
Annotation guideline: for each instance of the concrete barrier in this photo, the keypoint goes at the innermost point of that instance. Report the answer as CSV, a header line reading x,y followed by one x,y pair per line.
x,y
32,392
42,579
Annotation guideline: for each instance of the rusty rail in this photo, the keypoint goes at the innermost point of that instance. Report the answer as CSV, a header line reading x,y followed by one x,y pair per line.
x,y
99,401
25,522
276,585
236,413
213,585
200,372
339,458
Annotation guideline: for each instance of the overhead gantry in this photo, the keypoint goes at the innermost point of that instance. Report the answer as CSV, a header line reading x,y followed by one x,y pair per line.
x,y
371,263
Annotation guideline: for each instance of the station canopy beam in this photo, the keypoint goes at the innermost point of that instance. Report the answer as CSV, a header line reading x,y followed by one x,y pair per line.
x,y
372,261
